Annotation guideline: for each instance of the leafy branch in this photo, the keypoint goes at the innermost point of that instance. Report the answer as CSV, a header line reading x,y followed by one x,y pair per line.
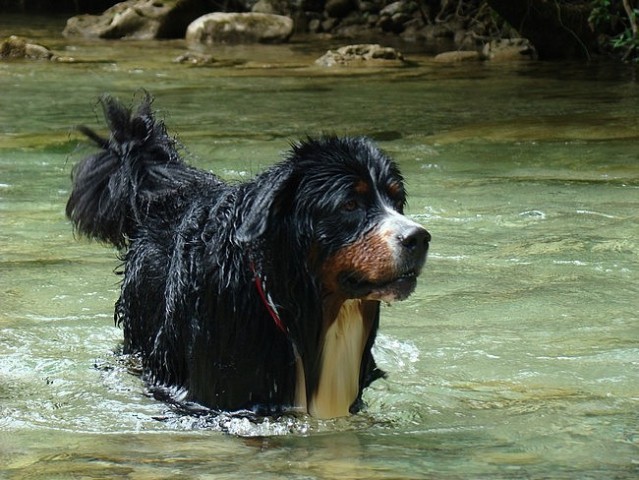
x,y
623,20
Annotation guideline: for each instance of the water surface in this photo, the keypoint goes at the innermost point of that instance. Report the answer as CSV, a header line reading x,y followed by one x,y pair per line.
x,y
517,357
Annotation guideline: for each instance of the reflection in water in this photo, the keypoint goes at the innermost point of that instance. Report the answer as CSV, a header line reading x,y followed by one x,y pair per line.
x,y
516,357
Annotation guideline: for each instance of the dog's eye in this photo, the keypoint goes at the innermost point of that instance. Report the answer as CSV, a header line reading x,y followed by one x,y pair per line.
x,y
395,194
350,205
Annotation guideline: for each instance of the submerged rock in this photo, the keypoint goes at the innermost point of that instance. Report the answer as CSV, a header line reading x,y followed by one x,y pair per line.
x,y
505,50
363,55
239,28
458,56
15,47
194,58
204,60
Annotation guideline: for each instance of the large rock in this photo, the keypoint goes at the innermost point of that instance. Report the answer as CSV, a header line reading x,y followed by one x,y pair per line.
x,y
137,19
15,47
364,55
239,28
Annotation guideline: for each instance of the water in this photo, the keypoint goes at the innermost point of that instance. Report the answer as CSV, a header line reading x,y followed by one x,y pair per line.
x,y
517,357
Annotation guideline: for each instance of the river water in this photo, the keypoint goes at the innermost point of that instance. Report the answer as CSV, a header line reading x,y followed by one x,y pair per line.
x,y
518,355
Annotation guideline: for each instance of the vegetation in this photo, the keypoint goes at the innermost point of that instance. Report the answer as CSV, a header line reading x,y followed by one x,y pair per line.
x,y
575,28
621,17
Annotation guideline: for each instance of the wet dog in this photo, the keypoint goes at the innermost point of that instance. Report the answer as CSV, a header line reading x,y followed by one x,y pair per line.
x,y
263,295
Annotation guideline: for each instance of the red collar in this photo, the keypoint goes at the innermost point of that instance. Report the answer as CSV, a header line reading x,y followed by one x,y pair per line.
x,y
266,299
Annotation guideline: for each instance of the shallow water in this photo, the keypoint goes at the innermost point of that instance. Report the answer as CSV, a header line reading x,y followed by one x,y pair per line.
x,y
517,357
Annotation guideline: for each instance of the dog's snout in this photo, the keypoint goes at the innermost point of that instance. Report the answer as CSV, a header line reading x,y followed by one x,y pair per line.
x,y
415,239
408,240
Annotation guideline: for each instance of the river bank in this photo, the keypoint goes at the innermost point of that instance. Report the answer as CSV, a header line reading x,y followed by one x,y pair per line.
x,y
428,26
21,37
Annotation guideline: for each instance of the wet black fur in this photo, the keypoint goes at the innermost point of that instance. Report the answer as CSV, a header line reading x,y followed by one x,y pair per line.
x,y
192,245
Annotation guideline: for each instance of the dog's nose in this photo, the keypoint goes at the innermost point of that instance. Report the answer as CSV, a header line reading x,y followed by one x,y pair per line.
x,y
415,240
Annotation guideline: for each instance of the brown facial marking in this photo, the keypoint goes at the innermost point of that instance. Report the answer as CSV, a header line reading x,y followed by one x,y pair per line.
x,y
362,187
371,257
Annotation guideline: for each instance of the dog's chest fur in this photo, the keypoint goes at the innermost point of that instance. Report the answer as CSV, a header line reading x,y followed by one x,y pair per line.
x,y
341,356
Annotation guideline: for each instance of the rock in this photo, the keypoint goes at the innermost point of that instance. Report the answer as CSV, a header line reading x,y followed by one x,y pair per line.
x,y
394,16
198,59
512,49
367,6
339,8
195,58
352,26
277,7
393,8
315,25
239,28
458,56
15,47
329,24
136,19
437,31
364,55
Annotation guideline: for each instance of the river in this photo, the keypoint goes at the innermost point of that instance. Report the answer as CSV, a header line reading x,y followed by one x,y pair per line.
x,y
518,355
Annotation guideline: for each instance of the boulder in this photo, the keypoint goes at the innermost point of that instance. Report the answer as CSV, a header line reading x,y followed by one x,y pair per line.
x,y
15,47
136,19
239,28
509,49
364,55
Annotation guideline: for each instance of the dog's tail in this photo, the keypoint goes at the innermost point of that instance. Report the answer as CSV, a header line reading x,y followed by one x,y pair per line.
x,y
137,165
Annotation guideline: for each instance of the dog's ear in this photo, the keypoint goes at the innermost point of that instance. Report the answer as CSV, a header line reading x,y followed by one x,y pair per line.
x,y
273,194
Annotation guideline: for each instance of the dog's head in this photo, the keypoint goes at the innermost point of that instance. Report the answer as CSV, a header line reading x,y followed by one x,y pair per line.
x,y
345,199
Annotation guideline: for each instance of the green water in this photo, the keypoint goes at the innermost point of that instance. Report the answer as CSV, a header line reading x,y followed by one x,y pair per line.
x,y
517,357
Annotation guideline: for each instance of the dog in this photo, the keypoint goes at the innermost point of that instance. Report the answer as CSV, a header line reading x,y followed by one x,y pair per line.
x,y
261,296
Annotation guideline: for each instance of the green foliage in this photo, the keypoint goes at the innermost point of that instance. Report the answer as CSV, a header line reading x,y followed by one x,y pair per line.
x,y
618,23
600,14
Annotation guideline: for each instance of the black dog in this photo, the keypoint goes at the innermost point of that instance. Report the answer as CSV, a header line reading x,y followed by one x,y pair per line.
x,y
262,295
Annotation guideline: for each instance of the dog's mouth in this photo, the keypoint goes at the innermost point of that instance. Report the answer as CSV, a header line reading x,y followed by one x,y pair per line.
x,y
394,289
